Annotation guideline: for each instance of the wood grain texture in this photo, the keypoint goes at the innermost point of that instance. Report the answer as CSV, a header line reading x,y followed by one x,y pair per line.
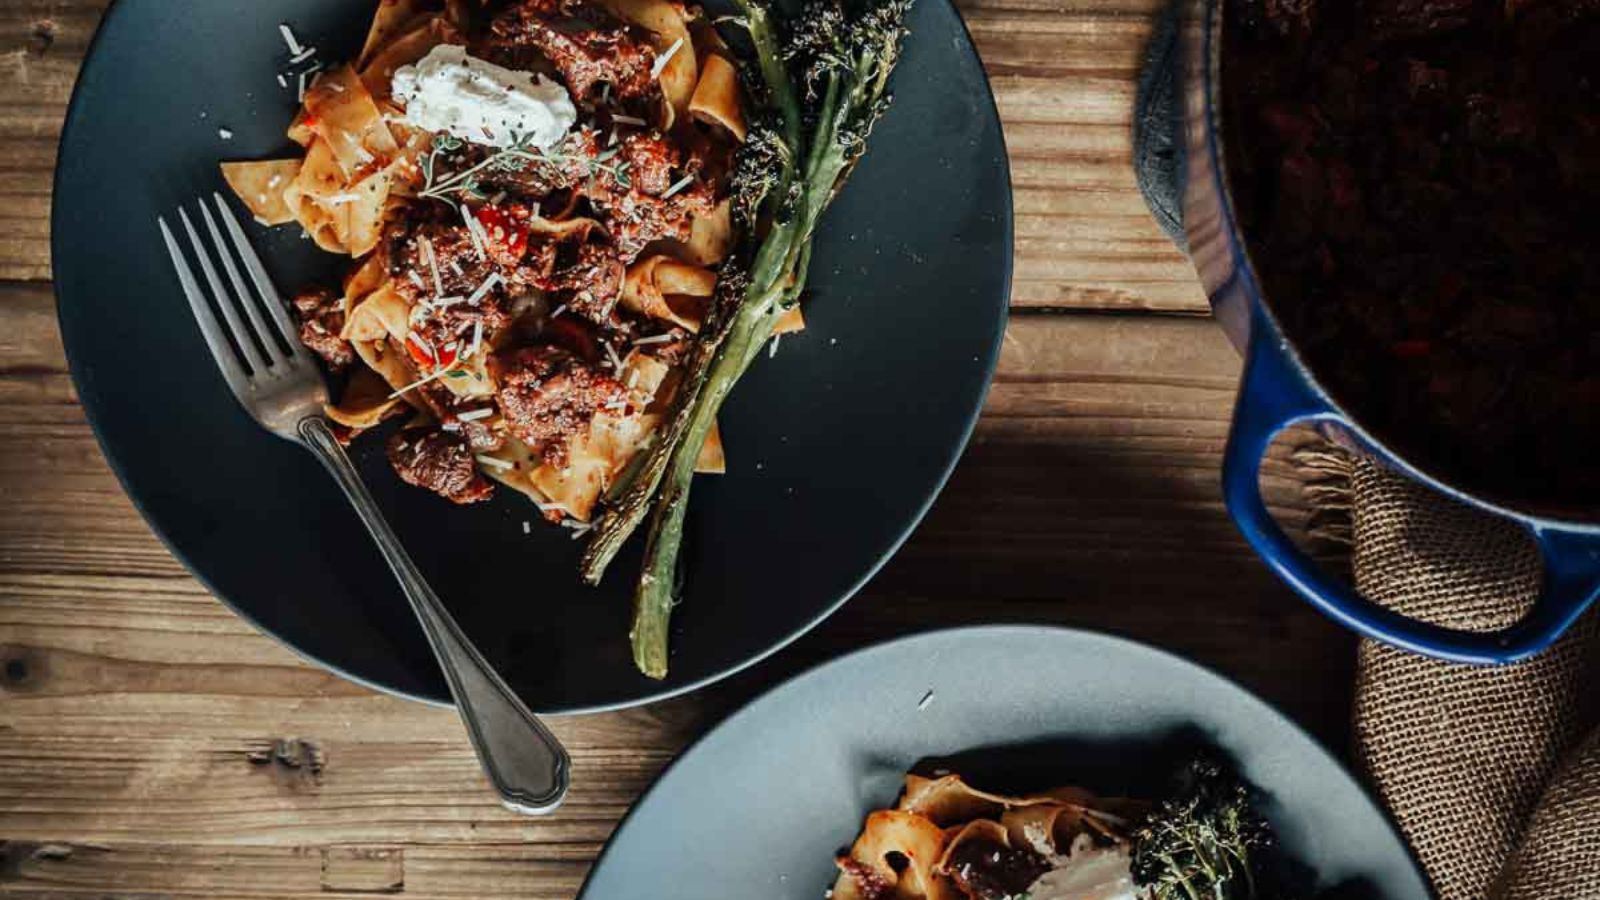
x,y
1063,75
41,45
1064,79
154,745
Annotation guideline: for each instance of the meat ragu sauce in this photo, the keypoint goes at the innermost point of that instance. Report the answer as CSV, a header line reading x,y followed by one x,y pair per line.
x,y
1418,181
550,319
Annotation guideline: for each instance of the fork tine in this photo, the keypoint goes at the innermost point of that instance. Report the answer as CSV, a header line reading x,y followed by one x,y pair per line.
x,y
232,373
269,346
258,274
236,328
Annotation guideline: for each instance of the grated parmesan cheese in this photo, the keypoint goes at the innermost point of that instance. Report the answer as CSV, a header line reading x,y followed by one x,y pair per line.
x,y
662,60
289,39
418,383
495,463
484,289
433,264
474,231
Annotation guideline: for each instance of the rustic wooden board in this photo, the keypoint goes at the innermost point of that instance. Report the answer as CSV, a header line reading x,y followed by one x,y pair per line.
x,y
1063,77
154,745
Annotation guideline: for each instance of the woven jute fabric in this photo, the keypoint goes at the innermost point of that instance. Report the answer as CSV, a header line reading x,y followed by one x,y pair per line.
x,y
1560,853
1462,755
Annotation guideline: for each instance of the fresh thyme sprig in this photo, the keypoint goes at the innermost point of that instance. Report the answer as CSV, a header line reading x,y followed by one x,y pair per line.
x,y
518,157
1207,842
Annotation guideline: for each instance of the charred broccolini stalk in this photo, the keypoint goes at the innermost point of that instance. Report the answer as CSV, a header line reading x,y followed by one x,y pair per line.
x,y
817,84
1207,842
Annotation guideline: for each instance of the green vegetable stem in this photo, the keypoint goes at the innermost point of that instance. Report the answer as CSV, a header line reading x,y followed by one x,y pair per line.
x,y
818,83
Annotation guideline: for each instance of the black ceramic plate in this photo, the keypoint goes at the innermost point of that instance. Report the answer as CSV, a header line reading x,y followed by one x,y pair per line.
x,y
759,807
837,446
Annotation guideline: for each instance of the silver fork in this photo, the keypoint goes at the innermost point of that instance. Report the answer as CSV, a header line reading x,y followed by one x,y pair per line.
x,y
273,376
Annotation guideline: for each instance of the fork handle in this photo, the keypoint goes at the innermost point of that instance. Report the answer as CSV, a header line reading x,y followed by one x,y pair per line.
x,y
524,761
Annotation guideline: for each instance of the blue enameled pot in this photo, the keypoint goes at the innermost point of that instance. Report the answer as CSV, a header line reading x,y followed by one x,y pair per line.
x,y
1279,390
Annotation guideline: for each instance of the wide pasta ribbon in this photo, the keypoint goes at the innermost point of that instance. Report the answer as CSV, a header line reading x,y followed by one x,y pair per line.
x,y
909,852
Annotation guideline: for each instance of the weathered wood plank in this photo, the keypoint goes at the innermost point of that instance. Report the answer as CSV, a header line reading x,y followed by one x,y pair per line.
x,y
41,45
1063,77
133,871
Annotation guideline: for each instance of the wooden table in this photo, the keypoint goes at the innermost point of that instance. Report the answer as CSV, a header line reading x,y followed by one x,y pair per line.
x,y
154,745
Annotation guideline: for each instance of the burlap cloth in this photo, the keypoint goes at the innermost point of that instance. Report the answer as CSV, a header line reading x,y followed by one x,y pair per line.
x,y
1493,775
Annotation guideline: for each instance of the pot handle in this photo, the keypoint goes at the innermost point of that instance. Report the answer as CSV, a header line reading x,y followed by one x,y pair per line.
x,y
1274,395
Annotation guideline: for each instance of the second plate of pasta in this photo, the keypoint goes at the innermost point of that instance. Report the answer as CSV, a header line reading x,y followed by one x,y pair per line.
x,y
1040,760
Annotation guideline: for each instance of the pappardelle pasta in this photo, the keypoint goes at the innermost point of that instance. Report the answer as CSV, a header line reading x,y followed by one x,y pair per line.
x,y
527,300
573,224
946,840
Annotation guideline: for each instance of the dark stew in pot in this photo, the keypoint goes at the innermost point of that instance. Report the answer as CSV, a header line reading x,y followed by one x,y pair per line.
x,y
1419,183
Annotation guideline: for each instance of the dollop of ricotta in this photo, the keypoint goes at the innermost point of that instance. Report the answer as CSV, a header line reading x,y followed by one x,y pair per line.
x,y
451,91
1088,872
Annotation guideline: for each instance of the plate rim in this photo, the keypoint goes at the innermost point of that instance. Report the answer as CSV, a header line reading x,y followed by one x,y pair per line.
x,y
1116,642
990,364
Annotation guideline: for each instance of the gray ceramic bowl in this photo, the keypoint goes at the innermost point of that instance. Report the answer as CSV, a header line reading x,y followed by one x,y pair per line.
x,y
759,807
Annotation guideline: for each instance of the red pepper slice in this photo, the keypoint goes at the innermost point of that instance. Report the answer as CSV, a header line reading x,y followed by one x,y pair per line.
x,y
503,231
425,361
419,353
